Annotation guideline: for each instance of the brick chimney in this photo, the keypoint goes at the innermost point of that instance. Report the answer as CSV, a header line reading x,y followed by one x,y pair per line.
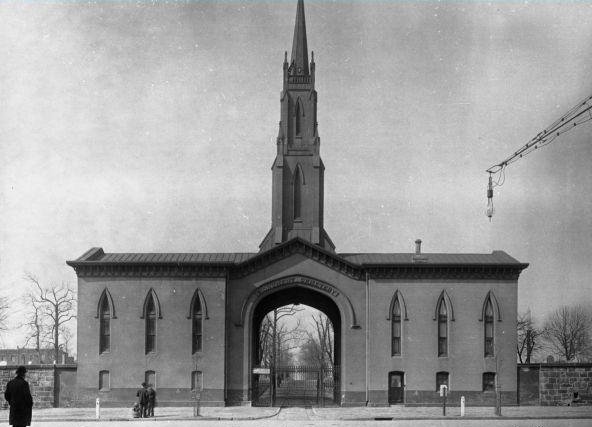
x,y
417,256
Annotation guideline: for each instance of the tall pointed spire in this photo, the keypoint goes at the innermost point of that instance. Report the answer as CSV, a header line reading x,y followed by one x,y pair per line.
x,y
298,171
299,46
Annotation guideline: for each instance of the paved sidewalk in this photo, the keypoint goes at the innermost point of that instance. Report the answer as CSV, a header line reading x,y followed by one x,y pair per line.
x,y
355,413
160,413
403,412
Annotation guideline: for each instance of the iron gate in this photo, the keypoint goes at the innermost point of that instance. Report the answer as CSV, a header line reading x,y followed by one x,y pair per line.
x,y
296,386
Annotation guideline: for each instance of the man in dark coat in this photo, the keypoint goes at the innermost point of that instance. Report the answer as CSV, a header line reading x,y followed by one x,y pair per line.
x,y
151,400
18,396
142,395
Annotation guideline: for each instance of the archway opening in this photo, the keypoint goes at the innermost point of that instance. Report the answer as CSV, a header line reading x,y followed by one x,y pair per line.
x,y
296,349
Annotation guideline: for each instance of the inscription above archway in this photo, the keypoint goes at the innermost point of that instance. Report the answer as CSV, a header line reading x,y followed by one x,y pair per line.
x,y
297,280
300,281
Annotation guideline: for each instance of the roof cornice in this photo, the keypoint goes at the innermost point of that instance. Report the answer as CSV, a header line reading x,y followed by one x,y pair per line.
x,y
90,265
145,269
509,272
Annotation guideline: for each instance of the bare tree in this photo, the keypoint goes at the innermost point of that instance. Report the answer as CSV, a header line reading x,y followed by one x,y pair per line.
x,y
277,336
4,312
4,315
67,336
319,349
567,332
528,337
35,324
58,304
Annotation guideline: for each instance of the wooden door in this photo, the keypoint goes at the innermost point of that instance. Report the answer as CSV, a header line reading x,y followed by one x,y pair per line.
x,y
396,384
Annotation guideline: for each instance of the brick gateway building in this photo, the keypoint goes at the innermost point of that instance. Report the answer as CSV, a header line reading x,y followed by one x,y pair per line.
x,y
404,322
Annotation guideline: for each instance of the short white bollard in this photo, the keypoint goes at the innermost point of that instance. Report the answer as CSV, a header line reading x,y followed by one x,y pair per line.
x,y
98,409
462,406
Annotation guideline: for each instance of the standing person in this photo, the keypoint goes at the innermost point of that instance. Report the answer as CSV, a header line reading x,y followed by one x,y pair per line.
x,y
142,395
151,399
18,396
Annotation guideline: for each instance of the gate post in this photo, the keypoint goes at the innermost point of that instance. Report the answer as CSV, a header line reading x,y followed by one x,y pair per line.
x,y
321,388
272,384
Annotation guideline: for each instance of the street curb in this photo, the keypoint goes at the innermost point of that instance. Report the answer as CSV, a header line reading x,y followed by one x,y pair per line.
x,y
387,418
451,417
164,418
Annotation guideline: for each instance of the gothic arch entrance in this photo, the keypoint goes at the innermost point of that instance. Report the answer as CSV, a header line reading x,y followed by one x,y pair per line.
x,y
296,385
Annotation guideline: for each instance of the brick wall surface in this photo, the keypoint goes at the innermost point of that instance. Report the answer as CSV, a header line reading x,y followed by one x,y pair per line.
x,y
528,385
66,393
172,361
558,383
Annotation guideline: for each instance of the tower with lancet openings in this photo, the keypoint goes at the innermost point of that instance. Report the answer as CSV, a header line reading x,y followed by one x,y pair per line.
x,y
297,183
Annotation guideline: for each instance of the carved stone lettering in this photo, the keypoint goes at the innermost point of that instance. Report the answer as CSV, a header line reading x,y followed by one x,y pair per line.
x,y
300,280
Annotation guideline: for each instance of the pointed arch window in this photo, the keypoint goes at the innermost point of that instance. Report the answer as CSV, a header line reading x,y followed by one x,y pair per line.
x,y
198,312
488,324
442,329
105,312
298,118
396,328
104,325
397,313
150,319
196,322
298,182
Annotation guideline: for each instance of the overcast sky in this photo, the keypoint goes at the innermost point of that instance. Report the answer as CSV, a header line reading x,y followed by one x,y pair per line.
x,y
141,127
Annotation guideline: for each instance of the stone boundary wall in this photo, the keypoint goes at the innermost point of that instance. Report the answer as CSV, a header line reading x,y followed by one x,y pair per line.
x,y
557,383
42,382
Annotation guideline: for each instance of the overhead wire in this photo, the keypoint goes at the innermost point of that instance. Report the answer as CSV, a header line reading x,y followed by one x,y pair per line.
x,y
501,178
574,117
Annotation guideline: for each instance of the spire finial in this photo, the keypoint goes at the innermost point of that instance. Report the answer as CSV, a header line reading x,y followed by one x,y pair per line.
x,y
299,46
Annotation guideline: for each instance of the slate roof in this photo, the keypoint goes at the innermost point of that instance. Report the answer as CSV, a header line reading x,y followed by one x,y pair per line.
x,y
496,257
231,258
97,256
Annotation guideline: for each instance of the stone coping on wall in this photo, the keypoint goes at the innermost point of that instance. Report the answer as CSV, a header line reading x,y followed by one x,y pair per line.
x,y
556,365
39,366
